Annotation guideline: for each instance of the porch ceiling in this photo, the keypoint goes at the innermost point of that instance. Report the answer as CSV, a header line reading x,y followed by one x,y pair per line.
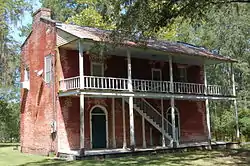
x,y
143,53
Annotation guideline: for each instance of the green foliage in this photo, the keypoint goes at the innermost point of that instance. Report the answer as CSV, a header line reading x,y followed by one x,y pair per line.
x,y
227,32
62,9
90,17
11,12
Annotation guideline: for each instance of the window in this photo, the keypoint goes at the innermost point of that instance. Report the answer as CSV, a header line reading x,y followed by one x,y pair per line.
x,y
97,69
156,74
47,68
183,74
26,74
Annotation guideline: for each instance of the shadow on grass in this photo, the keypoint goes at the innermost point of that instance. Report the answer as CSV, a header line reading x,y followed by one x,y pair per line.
x,y
2,145
186,158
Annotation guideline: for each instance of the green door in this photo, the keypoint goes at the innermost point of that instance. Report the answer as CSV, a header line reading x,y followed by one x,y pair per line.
x,y
98,128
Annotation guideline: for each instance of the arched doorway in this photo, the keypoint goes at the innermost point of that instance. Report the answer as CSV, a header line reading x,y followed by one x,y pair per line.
x,y
99,127
168,116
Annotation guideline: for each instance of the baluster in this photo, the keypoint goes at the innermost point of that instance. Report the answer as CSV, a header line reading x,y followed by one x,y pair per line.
x,y
116,84
143,85
163,86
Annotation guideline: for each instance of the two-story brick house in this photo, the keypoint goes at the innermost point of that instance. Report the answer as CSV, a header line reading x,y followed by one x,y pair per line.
x,y
132,95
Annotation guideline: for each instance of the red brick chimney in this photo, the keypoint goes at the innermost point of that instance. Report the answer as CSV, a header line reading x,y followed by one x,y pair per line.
x,y
42,12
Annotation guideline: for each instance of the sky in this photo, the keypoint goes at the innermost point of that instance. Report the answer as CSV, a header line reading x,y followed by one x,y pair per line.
x,y
27,19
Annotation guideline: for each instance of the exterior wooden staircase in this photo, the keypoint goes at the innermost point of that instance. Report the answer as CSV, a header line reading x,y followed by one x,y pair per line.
x,y
146,110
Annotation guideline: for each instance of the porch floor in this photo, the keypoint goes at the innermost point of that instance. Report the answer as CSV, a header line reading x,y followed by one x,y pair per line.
x,y
118,152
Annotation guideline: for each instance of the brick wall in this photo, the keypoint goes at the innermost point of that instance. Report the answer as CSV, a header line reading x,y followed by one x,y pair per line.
x,y
36,104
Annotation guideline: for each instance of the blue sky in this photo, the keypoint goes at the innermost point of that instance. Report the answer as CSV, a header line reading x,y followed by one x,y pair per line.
x,y
27,18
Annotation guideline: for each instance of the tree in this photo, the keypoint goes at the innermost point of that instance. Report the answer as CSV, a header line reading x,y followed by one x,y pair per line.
x,y
63,9
150,15
10,13
227,33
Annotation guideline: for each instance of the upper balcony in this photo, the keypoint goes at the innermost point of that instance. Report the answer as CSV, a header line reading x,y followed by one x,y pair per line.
x,y
139,85
89,62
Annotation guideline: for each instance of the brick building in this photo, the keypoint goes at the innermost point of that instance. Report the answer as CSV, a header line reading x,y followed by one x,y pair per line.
x,y
81,92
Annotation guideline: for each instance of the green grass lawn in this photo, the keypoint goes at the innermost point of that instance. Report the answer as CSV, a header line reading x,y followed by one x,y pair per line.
x,y
8,156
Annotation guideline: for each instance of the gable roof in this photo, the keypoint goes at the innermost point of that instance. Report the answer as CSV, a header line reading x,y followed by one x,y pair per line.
x,y
95,34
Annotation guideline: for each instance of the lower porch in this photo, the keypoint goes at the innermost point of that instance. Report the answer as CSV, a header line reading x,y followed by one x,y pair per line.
x,y
118,152
108,124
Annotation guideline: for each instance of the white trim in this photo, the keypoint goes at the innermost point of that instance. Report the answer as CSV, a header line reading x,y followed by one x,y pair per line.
x,y
124,124
97,63
143,133
82,134
183,70
113,123
49,58
81,64
157,70
178,114
131,122
150,136
130,85
90,122
171,74
143,94
162,124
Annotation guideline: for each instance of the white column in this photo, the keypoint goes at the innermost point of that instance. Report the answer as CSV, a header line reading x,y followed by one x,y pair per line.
x,y
162,124
235,105
207,107
151,136
81,73
81,121
113,122
171,74
172,104
131,109
143,133
124,125
173,121
81,65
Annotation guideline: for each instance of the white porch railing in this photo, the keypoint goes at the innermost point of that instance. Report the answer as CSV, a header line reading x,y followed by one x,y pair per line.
x,y
219,90
151,86
70,83
190,88
121,84
93,82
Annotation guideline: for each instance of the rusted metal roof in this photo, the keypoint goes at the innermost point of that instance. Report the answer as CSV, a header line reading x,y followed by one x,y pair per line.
x,y
166,46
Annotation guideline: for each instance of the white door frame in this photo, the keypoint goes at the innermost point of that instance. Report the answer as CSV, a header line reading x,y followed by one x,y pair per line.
x,y
152,73
179,124
90,122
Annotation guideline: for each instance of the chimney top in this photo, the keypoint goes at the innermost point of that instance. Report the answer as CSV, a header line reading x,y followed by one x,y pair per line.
x,y
42,12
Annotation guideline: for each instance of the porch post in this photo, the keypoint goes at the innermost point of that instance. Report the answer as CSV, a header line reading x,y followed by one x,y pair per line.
x,y
172,102
162,124
81,65
131,109
143,133
235,105
124,125
113,122
81,73
207,107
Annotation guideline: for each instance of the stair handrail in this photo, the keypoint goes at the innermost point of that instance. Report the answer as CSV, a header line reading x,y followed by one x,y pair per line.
x,y
155,111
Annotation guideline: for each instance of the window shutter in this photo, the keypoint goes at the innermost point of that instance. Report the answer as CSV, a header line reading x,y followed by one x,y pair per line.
x,y
47,68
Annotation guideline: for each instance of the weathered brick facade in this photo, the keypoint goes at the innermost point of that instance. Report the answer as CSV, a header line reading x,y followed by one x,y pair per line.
x,y
37,108
36,103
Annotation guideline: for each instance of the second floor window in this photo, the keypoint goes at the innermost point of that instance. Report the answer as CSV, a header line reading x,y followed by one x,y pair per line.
x,y
47,68
97,69
183,74
156,74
